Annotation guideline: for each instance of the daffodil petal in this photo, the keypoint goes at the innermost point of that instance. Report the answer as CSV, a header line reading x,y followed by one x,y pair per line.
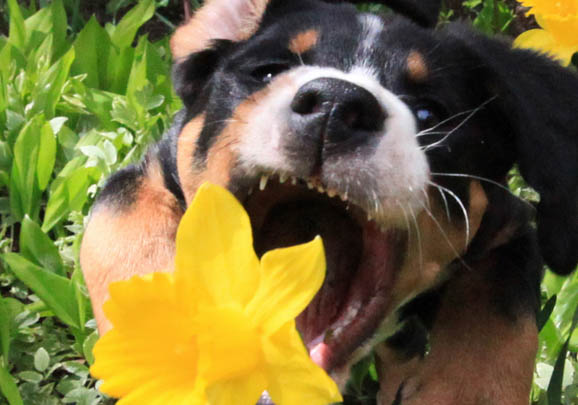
x,y
214,252
152,336
131,299
290,278
543,41
239,391
293,378
161,391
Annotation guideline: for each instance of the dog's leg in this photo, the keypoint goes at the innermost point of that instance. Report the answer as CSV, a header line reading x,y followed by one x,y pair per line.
x,y
131,231
479,354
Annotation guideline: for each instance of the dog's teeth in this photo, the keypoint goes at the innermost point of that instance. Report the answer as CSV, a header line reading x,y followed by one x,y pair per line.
x,y
331,193
320,189
283,178
310,185
293,180
263,182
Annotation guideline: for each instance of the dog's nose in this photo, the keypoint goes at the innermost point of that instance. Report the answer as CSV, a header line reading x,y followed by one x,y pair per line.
x,y
337,110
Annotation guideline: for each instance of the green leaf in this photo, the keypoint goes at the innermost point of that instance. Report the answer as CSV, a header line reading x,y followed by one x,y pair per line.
x,y
31,376
57,123
41,359
88,345
93,43
37,247
545,313
80,396
69,195
39,27
494,18
17,28
52,83
24,190
118,70
46,156
555,387
124,33
57,292
5,328
8,386
59,25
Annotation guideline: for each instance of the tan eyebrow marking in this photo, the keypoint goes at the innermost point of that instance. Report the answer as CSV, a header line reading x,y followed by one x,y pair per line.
x,y
416,67
303,41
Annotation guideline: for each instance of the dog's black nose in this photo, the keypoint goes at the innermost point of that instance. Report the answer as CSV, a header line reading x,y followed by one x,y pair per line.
x,y
337,110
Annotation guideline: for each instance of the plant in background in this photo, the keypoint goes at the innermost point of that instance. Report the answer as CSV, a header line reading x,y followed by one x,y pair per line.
x,y
73,109
558,36
490,16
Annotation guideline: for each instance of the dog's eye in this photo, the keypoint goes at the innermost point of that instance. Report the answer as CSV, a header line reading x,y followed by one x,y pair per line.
x,y
266,73
428,116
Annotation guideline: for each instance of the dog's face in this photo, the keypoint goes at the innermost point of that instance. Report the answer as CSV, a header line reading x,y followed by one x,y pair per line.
x,y
373,132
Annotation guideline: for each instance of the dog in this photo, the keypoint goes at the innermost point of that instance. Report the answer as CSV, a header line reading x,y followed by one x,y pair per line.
x,y
393,141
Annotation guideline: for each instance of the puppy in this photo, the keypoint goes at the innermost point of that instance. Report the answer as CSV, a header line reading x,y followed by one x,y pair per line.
x,y
393,141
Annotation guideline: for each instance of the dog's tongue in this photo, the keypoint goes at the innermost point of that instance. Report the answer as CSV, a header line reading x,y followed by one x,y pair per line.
x,y
320,354
363,307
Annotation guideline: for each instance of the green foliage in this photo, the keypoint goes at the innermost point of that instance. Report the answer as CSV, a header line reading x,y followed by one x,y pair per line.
x,y
491,16
73,109
78,101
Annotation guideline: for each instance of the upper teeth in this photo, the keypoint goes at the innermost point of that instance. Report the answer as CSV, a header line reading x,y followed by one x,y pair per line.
x,y
312,184
263,182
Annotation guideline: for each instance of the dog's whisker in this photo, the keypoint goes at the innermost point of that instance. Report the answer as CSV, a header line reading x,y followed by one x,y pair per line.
x,y
445,200
459,201
445,121
418,237
446,237
460,125
424,133
484,179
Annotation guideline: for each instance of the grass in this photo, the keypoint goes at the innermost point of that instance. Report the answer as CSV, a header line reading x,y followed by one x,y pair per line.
x,y
77,102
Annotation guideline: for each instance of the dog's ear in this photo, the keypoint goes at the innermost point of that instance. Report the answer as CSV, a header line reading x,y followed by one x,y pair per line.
x,y
232,20
423,12
537,100
200,43
191,73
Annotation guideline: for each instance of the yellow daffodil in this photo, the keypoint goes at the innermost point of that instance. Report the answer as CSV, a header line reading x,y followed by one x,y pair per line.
x,y
559,33
220,329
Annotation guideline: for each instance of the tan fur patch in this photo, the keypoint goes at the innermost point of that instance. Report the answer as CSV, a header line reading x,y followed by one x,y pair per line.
x,y
303,41
393,370
234,20
223,154
416,67
438,243
477,355
186,145
133,241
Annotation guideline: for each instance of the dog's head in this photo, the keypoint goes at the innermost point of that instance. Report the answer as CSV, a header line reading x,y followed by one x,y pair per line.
x,y
389,139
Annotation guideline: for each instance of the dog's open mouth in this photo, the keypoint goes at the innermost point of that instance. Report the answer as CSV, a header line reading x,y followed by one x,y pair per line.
x,y
362,260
